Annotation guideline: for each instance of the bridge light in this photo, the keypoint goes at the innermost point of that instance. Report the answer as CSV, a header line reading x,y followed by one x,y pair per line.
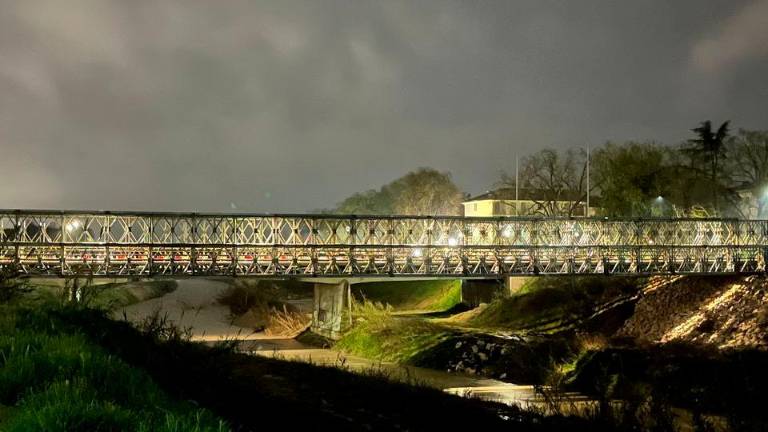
x,y
507,231
416,252
73,225
452,241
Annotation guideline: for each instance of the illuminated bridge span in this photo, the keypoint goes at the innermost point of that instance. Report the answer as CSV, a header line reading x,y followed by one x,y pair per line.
x,y
55,243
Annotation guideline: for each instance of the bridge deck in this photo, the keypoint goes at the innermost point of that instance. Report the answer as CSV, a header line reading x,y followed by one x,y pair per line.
x,y
57,243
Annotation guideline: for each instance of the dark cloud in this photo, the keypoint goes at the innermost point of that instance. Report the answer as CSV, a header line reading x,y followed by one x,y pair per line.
x,y
291,106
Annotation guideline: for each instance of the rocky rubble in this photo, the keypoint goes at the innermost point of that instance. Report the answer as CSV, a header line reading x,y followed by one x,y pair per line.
x,y
725,312
510,358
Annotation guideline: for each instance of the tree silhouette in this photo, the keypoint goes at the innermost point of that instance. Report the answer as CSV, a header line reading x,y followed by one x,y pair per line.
x,y
709,148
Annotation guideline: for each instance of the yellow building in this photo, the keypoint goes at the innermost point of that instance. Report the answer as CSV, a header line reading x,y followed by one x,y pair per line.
x,y
501,202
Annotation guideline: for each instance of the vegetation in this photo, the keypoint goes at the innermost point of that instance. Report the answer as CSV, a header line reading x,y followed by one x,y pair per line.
x,y
261,305
378,335
712,174
421,192
248,391
632,176
708,383
558,176
431,295
707,152
553,304
60,381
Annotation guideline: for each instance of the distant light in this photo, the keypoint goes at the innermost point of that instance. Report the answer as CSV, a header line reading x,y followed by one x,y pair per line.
x,y
452,241
416,252
659,198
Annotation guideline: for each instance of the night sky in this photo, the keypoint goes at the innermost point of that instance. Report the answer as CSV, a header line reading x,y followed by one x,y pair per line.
x,y
290,106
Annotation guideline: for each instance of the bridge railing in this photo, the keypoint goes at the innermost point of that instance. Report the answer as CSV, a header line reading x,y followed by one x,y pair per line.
x,y
120,243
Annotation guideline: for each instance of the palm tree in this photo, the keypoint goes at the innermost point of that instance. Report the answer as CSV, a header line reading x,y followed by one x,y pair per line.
x,y
709,147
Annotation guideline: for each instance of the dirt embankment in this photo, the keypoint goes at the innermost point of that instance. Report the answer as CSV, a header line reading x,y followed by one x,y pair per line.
x,y
724,312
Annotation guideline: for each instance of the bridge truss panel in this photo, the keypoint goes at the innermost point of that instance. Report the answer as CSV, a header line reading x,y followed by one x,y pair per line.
x,y
50,243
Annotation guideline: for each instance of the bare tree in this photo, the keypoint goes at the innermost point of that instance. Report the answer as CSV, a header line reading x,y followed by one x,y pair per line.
x,y
555,182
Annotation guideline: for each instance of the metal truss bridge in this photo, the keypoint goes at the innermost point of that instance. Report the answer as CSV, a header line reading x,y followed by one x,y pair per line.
x,y
117,244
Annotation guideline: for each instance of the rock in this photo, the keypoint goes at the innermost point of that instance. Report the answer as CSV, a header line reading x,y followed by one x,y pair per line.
x,y
502,376
458,344
475,348
480,344
504,351
483,356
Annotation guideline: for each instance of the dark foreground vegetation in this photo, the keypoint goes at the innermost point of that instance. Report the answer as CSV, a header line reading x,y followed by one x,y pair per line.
x,y
54,378
73,368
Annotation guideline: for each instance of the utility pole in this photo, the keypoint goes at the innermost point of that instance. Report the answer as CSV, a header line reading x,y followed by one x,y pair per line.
x,y
586,209
517,186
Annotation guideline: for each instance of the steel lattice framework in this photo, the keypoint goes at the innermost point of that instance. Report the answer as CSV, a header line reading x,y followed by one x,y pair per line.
x,y
67,243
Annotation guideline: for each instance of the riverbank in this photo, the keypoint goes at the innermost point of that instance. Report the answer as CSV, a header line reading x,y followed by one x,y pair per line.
x,y
658,344
246,390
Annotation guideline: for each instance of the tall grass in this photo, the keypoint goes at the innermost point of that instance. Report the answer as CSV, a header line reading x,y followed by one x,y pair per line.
x,y
60,381
379,335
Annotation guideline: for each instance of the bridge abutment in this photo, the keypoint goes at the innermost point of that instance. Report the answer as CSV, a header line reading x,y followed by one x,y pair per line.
x,y
332,309
513,284
476,291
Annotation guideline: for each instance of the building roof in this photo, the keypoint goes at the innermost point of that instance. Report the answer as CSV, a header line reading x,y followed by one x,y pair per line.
x,y
524,194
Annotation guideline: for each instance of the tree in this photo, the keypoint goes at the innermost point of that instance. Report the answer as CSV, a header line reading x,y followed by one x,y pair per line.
x,y
422,192
748,164
427,192
635,179
708,150
368,202
557,181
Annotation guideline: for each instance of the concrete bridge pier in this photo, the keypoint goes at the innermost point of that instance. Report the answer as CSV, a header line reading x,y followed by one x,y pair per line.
x,y
476,291
332,310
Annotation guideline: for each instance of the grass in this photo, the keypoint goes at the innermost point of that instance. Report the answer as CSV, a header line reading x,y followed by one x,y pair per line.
x,y
549,304
380,336
429,295
56,379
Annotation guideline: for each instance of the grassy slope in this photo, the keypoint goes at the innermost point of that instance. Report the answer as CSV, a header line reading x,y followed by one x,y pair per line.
x,y
379,336
53,380
549,302
434,295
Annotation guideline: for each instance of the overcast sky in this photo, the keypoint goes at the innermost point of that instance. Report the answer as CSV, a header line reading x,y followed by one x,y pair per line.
x,y
289,106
